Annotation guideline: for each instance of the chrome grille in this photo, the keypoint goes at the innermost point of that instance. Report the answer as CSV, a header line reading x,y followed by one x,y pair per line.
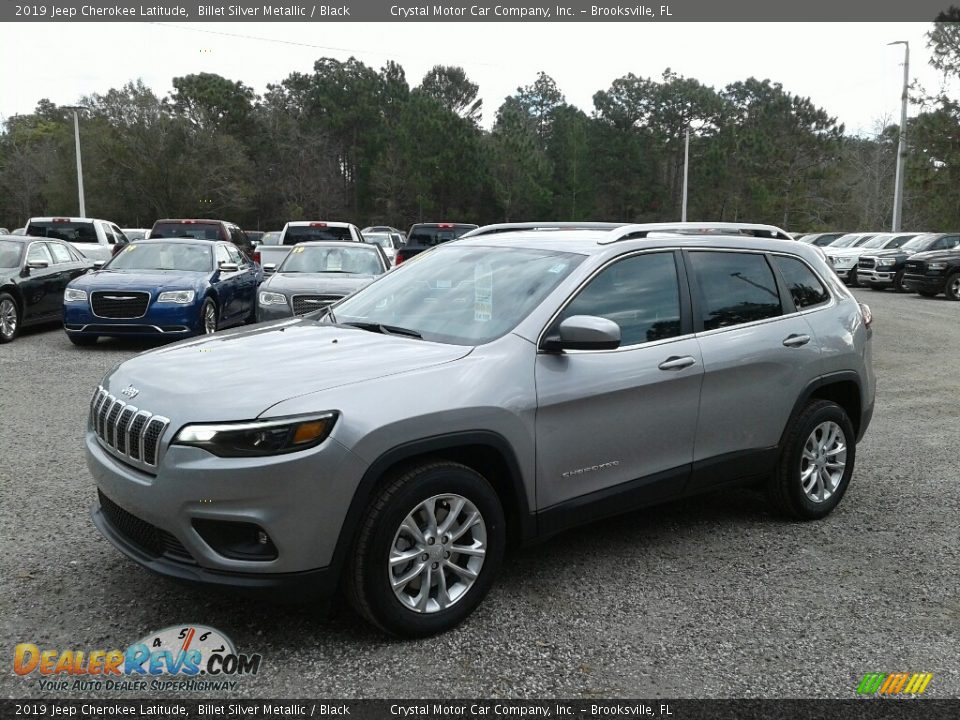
x,y
303,304
119,304
127,430
867,263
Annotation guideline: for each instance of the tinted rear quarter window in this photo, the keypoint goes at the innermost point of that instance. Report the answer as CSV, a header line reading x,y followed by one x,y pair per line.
x,y
734,288
805,288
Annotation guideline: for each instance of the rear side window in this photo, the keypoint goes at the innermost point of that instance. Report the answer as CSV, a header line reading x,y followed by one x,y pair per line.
x,y
60,253
805,289
308,233
199,231
640,294
734,288
946,243
78,232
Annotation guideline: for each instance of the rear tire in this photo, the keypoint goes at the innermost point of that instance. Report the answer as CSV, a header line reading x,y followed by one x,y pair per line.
x,y
854,280
405,575
816,462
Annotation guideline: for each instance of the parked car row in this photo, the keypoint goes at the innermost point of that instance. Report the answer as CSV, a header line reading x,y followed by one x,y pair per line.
x,y
920,262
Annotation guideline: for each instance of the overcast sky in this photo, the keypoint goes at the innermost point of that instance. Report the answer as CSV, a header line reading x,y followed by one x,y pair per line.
x,y
846,68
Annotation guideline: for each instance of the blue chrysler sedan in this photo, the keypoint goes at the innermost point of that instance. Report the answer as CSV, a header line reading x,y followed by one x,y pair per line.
x,y
163,287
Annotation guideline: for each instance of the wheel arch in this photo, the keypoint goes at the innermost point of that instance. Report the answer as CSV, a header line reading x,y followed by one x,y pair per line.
x,y
486,452
841,387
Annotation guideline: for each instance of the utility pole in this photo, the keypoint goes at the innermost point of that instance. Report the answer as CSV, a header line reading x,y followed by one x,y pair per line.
x,y
76,135
902,143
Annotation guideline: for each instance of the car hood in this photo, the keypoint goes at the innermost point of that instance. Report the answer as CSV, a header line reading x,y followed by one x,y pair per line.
x,y
141,280
888,253
238,375
936,255
847,252
324,283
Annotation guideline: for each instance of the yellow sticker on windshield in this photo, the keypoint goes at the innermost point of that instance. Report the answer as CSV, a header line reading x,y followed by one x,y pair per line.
x,y
298,250
130,248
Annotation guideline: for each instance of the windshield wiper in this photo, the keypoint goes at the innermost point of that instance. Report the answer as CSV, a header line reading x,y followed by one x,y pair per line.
x,y
384,329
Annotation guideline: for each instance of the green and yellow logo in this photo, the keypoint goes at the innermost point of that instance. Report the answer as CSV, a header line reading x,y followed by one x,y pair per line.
x,y
894,684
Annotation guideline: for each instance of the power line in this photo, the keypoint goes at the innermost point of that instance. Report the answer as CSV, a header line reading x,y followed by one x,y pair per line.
x,y
240,36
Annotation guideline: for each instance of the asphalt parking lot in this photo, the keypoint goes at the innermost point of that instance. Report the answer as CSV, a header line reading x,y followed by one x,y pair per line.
x,y
712,597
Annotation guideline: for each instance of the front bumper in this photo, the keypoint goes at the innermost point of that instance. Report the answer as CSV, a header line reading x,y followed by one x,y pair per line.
x,y
880,276
927,283
299,500
266,313
843,273
160,319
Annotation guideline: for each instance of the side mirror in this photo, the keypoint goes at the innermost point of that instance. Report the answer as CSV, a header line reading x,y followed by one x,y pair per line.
x,y
270,268
229,267
97,264
583,332
38,264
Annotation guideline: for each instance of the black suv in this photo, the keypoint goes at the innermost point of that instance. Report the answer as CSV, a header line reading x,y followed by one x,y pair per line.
x,y
887,268
936,271
204,230
424,236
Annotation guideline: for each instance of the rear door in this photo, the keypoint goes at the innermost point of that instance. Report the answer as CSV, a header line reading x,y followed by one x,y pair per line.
x,y
617,426
758,355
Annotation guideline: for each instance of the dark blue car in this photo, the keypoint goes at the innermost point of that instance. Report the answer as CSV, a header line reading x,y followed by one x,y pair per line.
x,y
164,287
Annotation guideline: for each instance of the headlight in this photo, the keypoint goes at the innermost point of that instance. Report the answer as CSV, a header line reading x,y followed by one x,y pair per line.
x,y
886,261
71,295
937,266
272,298
181,297
257,438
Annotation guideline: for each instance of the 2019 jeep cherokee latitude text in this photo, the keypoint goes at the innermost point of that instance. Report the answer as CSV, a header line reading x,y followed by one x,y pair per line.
x,y
504,387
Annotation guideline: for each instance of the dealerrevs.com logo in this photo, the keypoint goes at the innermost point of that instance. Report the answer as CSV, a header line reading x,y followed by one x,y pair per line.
x,y
894,685
178,658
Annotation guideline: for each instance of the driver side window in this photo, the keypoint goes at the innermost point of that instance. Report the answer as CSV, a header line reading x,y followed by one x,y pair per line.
x,y
641,294
38,252
222,255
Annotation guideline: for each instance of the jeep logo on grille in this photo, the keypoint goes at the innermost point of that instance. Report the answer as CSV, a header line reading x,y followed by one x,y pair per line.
x,y
130,391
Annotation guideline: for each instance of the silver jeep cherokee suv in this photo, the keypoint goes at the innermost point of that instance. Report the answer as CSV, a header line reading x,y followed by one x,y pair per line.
x,y
502,387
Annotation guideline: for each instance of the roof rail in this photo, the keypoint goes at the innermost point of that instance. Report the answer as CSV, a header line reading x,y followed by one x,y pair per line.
x,y
512,227
642,230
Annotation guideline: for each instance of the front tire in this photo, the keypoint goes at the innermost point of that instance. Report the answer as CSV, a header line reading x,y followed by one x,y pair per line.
x,y
428,550
898,283
854,281
952,288
9,318
208,317
816,462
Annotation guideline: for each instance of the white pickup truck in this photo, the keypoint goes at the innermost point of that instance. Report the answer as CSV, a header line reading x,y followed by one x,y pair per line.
x,y
96,239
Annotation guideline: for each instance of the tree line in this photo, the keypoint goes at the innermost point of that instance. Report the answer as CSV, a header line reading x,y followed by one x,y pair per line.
x,y
351,142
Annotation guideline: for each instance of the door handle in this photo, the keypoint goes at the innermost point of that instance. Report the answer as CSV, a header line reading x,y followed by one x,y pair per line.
x,y
796,340
676,363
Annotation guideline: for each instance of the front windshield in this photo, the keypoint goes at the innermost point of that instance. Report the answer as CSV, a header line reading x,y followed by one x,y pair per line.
x,y
900,241
10,254
919,242
181,257
876,241
460,295
356,260
845,241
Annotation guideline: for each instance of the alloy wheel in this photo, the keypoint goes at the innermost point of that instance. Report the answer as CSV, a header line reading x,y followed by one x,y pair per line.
x,y
437,553
823,461
8,318
209,318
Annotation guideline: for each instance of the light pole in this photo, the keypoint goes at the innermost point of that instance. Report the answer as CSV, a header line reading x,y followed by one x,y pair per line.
x,y
76,134
686,172
902,143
